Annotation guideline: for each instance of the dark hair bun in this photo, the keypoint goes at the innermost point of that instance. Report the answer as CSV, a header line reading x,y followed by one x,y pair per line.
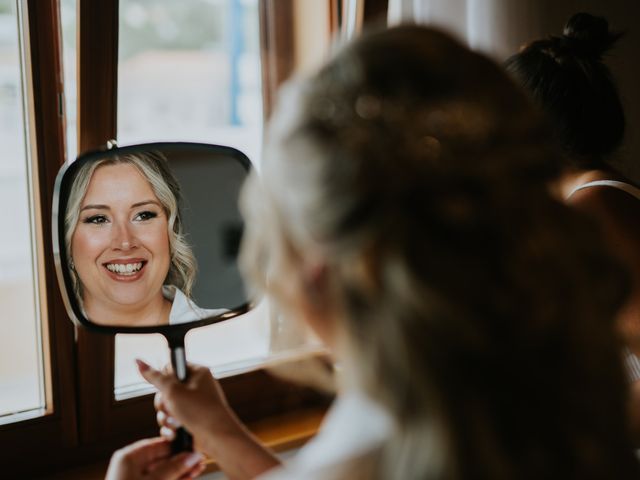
x,y
589,34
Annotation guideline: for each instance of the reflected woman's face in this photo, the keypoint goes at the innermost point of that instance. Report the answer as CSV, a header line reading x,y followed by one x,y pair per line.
x,y
120,247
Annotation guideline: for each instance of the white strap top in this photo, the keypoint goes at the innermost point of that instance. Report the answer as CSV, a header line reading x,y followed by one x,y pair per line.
x,y
626,187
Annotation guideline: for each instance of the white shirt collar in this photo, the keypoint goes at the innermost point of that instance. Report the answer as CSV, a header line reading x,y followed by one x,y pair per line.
x,y
183,309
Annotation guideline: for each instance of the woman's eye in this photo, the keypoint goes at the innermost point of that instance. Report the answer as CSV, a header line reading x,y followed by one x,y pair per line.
x,y
96,219
146,215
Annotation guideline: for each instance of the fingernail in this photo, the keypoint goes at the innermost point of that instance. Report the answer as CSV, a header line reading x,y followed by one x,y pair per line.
x,y
142,366
196,473
193,459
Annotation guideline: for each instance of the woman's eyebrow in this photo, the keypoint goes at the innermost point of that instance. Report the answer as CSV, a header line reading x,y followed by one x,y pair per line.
x,y
146,202
95,207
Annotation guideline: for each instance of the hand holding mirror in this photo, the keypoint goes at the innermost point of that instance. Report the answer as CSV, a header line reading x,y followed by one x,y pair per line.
x,y
146,240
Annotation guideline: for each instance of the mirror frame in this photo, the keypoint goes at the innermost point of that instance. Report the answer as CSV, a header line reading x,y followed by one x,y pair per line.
x,y
59,205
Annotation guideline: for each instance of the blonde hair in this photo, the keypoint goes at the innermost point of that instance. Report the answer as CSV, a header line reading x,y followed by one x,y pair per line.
x,y
152,166
478,310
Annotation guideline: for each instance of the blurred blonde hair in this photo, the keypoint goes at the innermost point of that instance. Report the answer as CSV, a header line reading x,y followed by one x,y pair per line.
x,y
477,310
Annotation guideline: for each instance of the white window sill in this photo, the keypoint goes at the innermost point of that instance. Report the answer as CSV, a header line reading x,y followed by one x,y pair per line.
x,y
243,344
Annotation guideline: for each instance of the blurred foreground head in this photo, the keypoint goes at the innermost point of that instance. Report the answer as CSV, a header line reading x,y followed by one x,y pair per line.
x,y
456,292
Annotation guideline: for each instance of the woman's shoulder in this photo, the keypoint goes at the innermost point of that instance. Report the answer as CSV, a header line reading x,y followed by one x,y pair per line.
x,y
354,427
614,201
606,191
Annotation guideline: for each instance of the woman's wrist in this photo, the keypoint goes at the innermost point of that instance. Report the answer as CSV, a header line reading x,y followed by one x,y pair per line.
x,y
219,429
236,450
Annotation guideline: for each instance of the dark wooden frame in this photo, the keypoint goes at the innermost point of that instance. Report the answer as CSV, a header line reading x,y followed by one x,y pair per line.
x,y
335,16
276,48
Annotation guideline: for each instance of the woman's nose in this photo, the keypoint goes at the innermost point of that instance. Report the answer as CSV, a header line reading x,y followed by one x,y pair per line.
x,y
123,238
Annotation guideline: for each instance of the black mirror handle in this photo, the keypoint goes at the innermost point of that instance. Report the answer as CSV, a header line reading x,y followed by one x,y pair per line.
x,y
183,441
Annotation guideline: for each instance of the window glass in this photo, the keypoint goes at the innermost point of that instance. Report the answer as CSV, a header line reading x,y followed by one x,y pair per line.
x,y
190,71
231,347
22,391
68,19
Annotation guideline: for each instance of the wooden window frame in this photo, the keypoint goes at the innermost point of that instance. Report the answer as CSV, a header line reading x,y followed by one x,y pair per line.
x,y
276,48
34,446
87,424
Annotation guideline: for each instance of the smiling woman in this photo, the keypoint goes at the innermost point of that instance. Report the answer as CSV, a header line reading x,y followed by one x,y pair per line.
x,y
130,262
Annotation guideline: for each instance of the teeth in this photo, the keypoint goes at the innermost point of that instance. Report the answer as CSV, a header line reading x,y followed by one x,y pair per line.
x,y
124,269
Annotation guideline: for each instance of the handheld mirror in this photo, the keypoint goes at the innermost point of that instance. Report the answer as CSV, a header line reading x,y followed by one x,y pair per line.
x,y
146,240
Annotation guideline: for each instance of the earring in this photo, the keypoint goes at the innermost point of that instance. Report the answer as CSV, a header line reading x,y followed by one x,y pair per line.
x,y
72,265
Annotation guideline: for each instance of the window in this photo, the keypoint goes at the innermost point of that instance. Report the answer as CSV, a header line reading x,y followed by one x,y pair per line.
x,y
22,379
71,377
190,71
68,21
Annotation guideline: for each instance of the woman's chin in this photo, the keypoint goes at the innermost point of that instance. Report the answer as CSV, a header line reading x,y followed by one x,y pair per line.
x,y
125,309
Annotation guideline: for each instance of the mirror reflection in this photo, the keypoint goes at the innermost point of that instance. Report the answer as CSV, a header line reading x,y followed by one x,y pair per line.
x,y
151,235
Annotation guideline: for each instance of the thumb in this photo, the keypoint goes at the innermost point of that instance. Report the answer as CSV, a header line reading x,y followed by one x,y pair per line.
x,y
156,378
176,467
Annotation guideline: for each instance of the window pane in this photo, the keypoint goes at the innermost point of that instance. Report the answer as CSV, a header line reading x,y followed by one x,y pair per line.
x,y
231,347
21,379
239,345
190,71
68,18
